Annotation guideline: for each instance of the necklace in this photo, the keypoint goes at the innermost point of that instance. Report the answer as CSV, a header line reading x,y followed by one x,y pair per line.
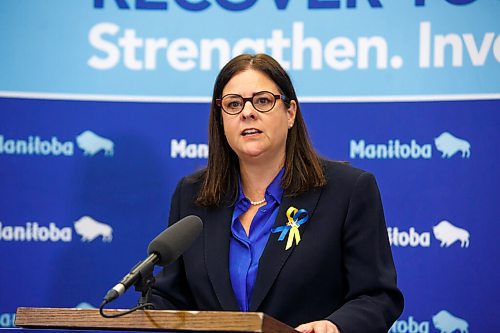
x,y
256,203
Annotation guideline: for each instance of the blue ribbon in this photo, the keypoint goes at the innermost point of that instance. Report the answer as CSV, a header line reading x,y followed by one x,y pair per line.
x,y
299,217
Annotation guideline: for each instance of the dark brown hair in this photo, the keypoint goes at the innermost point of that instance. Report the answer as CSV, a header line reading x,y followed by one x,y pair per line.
x,y
303,170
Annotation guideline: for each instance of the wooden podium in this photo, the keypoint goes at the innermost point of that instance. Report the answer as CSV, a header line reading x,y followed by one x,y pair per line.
x,y
149,320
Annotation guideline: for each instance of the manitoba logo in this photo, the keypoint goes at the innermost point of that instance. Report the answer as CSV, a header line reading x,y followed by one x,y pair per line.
x,y
89,142
446,322
448,234
36,145
401,238
443,321
89,229
449,145
92,143
86,227
446,143
34,232
409,325
390,150
182,149
445,232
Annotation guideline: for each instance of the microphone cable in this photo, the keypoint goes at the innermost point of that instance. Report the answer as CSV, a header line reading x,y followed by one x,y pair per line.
x,y
147,306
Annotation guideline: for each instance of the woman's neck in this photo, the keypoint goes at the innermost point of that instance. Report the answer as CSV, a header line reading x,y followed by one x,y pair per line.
x,y
255,178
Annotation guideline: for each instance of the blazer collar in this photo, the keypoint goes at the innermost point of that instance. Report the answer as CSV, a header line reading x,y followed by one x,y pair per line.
x,y
217,234
274,256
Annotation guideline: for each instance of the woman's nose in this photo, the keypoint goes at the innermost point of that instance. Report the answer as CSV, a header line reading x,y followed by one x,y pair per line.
x,y
248,110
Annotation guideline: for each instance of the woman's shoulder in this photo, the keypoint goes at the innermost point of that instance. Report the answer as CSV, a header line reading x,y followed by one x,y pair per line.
x,y
194,179
196,176
343,173
341,168
343,181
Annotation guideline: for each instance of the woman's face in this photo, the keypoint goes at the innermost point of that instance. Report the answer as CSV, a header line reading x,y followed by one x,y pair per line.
x,y
252,134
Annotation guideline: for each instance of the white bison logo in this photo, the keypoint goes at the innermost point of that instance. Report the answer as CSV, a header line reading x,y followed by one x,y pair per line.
x,y
85,305
448,234
90,229
92,143
448,323
449,145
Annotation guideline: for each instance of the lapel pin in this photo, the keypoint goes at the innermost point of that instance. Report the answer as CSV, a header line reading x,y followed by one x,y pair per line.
x,y
296,217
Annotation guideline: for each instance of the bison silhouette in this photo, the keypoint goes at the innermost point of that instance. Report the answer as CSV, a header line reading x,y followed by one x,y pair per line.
x,y
92,143
445,322
89,229
448,234
449,145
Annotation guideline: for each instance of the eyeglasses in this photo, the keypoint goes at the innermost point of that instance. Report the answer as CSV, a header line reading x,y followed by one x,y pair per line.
x,y
262,101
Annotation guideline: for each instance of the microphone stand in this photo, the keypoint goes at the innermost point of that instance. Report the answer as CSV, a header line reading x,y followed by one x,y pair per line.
x,y
143,285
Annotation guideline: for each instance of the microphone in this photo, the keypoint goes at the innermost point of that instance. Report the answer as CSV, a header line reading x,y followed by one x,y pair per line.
x,y
162,250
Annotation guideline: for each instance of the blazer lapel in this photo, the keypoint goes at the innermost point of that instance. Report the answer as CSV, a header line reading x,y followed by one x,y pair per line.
x,y
217,234
274,256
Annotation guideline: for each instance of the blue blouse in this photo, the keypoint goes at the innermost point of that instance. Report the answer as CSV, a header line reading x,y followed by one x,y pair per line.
x,y
245,251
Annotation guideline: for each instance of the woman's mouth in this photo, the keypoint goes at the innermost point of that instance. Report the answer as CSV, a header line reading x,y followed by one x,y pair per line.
x,y
250,131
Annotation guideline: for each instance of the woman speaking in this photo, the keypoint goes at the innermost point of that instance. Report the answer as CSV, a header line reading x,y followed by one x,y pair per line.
x,y
286,233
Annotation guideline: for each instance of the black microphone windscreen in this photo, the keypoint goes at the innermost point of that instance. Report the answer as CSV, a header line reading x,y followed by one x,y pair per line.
x,y
176,239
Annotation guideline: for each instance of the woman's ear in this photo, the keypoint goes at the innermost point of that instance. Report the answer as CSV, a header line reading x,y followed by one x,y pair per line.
x,y
291,112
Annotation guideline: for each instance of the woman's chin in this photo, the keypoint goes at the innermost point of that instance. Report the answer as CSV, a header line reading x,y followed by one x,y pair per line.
x,y
262,156
252,153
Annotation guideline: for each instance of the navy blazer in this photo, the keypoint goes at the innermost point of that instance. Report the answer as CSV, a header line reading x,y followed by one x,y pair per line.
x,y
342,270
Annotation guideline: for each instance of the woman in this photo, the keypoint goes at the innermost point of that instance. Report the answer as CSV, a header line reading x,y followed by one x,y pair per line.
x,y
285,233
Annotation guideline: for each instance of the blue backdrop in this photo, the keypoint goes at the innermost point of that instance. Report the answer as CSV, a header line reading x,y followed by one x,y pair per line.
x,y
104,106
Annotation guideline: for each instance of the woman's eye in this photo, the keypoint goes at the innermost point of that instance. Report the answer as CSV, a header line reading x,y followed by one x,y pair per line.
x,y
263,101
234,104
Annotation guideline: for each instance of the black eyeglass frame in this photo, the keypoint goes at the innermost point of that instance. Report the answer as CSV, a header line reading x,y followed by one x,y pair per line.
x,y
285,99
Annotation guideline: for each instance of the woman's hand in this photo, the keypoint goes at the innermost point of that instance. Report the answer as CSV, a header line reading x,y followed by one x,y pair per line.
x,y
321,326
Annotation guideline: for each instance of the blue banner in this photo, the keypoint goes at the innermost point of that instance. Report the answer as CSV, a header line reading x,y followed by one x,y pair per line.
x,y
173,49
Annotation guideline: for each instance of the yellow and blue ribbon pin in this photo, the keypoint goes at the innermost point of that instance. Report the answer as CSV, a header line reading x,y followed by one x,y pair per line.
x,y
296,217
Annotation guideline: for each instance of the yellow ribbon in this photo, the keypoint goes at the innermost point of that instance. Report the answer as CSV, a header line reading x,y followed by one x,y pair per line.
x,y
294,233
